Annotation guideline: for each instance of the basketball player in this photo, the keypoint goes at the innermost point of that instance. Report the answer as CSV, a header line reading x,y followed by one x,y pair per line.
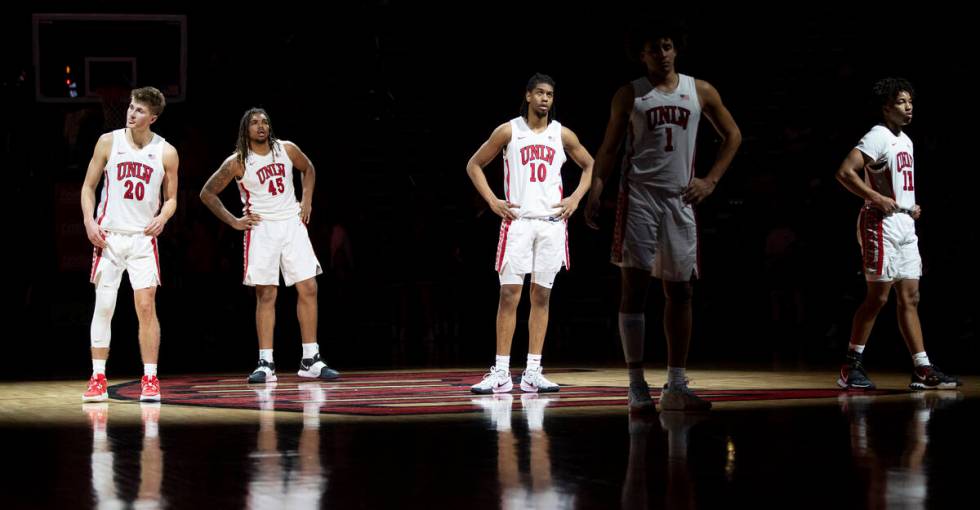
x,y
139,195
656,234
534,233
886,231
275,235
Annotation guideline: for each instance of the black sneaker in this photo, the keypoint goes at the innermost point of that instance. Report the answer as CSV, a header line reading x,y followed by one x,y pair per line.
x,y
930,378
264,373
852,374
315,368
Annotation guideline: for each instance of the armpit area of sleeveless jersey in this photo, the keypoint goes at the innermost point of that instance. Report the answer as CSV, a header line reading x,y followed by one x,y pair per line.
x,y
663,127
891,171
131,188
532,169
267,186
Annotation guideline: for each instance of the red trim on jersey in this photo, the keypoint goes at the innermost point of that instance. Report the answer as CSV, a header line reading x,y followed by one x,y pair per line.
x,y
156,255
248,243
881,244
105,201
872,240
502,244
248,198
506,179
697,243
568,258
96,258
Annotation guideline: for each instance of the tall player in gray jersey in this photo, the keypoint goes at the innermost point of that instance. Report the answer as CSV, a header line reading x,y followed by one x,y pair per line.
x,y
533,233
275,236
656,235
886,231
139,196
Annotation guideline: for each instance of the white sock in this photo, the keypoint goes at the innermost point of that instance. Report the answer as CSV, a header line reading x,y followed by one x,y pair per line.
x,y
676,377
533,361
920,359
150,369
266,354
632,332
503,363
856,348
98,366
310,350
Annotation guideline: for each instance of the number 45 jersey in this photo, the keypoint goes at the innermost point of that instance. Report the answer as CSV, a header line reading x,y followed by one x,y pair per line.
x,y
267,186
532,169
131,189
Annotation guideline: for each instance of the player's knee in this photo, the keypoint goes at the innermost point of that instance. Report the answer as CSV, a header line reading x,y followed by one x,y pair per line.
x,y
307,289
510,295
876,301
540,296
146,308
105,304
909,299
679,293
266,294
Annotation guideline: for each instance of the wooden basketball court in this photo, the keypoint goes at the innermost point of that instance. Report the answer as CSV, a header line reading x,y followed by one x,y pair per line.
x,y
419,438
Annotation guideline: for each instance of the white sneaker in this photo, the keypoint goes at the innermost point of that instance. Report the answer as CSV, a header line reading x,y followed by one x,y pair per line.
x,y
682,399
534,382
639,397
495,381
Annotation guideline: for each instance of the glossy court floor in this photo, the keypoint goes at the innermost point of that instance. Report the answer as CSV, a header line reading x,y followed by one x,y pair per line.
x,y
419,439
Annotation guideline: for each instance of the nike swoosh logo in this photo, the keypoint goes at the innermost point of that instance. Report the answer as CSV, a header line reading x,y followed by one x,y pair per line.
x,y
521,137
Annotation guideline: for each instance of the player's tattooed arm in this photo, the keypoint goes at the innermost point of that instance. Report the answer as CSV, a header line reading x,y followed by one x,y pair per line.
x,y
230,169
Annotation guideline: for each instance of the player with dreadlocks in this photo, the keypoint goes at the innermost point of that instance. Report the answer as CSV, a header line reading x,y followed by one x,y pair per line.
x,y
275,235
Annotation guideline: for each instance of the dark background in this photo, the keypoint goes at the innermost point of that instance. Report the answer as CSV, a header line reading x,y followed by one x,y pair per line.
x,y
389,100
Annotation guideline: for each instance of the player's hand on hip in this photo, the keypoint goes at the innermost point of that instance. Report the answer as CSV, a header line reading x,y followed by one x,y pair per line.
x,y
305,210
247,222
503,209
885,204
95,234
916,212
155,227
566,207
698,190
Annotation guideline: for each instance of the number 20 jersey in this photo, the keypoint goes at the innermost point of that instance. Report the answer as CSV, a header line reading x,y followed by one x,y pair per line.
x,y
131,189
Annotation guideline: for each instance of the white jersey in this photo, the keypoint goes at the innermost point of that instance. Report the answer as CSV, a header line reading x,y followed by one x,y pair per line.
x,y
891,170
532,169
267,186
661,137
131,188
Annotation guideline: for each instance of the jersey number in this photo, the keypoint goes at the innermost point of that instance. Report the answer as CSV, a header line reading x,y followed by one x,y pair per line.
x,y
136,190
542,172
670,140
276,187
909,183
